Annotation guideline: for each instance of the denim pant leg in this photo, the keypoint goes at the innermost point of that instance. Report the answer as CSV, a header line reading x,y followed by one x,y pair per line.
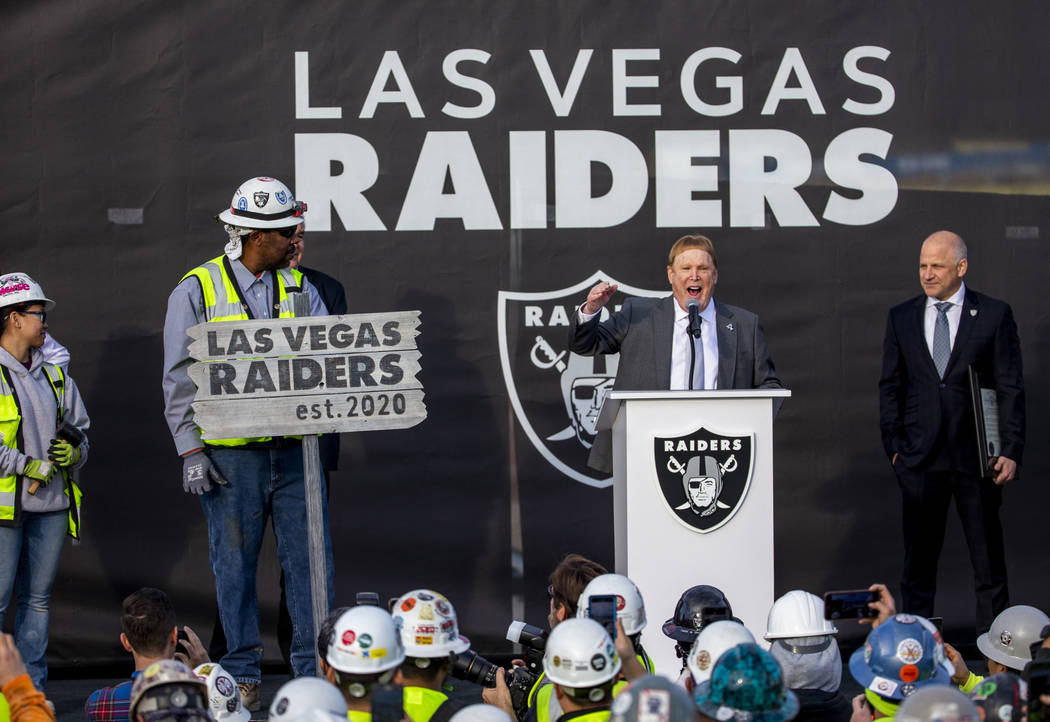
x,y
30,554
237,515
288,503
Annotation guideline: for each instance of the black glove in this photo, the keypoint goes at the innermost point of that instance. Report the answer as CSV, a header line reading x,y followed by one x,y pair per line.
x,y
198,473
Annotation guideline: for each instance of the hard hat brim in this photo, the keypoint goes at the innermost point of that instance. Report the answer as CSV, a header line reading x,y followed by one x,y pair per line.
x,y
864,675
989,650
228,216
679,634
787,710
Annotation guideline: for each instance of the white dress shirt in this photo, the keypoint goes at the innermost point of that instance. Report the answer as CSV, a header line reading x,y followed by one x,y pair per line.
x,y
681,341
954,314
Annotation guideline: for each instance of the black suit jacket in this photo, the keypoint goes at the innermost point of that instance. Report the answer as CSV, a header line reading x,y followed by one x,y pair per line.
x,y
917,408
334,296
641,332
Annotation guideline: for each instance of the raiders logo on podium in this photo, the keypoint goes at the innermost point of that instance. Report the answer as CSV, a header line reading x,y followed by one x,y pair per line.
x,y
556,394
704,476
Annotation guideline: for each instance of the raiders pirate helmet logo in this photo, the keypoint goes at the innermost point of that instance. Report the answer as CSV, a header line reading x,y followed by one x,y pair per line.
x,y
557,395
704,476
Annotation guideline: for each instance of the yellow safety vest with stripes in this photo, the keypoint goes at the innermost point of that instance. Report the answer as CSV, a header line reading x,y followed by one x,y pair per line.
x,y
223,302
421,703
10,427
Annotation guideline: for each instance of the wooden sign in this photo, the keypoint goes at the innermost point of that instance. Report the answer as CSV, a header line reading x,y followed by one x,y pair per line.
x,y
306,375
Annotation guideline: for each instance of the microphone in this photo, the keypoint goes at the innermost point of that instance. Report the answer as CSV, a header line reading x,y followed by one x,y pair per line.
x,y
693,306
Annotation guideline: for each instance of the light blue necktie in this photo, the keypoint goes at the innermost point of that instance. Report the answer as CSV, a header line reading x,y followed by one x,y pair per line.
x,y
942,348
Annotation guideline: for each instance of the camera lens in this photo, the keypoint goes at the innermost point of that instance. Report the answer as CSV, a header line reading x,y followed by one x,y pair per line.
x,y
472,667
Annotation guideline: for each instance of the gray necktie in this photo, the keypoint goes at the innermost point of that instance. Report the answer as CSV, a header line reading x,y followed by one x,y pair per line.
x,y
942,349
698,345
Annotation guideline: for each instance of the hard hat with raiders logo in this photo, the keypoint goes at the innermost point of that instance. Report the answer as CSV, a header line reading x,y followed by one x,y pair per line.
x,y
169,686
653,699
263,203
1009,639
428,625
365,641
746,685
899,656
938,704
308,699
798,614
223,696
1003,697
630,609
579,655
712,642
697,607
18,288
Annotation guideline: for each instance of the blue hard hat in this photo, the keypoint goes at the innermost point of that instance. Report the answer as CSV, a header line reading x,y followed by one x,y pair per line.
x,y
901,655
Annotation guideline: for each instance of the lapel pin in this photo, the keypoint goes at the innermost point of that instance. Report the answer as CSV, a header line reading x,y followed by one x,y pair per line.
x,y
973,311
729,326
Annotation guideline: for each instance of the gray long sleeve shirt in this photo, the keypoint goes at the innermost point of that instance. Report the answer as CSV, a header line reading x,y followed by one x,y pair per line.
x,y
39,411
185,310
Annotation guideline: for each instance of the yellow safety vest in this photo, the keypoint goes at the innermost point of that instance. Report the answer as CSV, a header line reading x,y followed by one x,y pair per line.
x,y
223,302
643,658
355,716
543,709
421,703
11,428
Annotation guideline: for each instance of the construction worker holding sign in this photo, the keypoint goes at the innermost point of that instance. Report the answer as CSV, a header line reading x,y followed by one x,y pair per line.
x,y
242,482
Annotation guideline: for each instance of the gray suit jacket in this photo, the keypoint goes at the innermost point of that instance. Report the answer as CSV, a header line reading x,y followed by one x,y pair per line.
x,y
641,333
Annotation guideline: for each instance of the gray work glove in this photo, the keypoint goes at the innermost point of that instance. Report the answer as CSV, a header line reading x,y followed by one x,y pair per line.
x,y
198,472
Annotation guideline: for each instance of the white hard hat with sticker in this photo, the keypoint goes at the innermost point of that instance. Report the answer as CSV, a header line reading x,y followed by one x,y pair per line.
x,y
264,203
630,609
18,288
365,641
223,696
428,625
579,654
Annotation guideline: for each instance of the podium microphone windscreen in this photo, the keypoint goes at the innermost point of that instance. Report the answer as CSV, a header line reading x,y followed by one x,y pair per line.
x,y
693,306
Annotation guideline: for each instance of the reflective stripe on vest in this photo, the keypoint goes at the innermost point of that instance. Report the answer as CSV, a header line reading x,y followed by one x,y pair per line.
x,y
10,427
421,703
222,303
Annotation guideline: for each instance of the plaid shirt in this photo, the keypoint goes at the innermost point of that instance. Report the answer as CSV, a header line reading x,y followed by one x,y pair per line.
x,y
110,704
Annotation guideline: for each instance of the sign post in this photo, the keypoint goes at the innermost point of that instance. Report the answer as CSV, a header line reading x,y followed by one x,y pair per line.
x,y
306,376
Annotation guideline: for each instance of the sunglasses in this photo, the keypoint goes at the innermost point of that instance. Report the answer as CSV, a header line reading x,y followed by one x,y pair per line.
x,y
41,314
286,232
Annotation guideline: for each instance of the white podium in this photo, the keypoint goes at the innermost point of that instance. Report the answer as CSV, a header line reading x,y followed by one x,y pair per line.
x,y
693,500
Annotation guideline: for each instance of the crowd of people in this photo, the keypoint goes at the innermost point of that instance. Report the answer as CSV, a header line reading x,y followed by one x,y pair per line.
x,y
393,663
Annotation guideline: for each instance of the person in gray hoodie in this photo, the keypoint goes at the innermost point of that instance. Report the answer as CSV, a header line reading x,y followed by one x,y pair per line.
x,y
42,425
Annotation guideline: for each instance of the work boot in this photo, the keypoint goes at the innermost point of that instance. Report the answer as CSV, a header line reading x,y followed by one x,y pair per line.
x,y
249,695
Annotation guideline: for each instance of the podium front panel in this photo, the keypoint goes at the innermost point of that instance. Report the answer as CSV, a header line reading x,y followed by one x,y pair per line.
x,y
665,555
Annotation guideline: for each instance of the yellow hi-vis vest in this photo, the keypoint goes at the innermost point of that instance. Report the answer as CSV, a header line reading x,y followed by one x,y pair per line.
x,y
421,703
223,302
11,428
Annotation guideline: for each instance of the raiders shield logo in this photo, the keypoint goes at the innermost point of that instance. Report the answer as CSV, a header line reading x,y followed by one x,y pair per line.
x,y
260,198
557,394
704,476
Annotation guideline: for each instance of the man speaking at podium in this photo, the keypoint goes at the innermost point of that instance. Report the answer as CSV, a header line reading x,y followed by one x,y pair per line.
x,y
658,342
927,422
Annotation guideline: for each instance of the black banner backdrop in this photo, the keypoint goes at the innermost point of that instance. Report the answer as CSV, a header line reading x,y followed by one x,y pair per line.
x,y
451,151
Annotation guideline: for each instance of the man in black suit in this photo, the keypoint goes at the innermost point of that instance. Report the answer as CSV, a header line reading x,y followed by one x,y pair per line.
x,y
653,340
927,422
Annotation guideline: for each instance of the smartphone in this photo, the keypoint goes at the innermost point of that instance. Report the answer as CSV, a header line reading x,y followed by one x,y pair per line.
x,y
1037,674
850,604
366,599
387,703
602,609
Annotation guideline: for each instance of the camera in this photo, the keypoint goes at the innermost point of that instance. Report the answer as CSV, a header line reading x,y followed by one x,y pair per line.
x,y
472,667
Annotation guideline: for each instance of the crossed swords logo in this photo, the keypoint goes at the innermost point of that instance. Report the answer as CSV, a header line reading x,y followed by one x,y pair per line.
x,y
676,468
544,349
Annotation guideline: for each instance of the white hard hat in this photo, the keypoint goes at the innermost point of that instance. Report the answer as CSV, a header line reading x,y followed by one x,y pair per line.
x,y
265,203
713,640
630,609
18,287
798,614
308,698
937,704
365,641
1009,639
428,625
481,713
580,654
223,696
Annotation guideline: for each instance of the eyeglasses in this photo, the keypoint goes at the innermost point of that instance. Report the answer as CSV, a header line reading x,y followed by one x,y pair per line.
x,y
286,232
41,314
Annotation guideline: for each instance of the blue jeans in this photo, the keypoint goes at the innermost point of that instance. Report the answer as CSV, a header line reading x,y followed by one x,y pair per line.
x,y
29,554
263,483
